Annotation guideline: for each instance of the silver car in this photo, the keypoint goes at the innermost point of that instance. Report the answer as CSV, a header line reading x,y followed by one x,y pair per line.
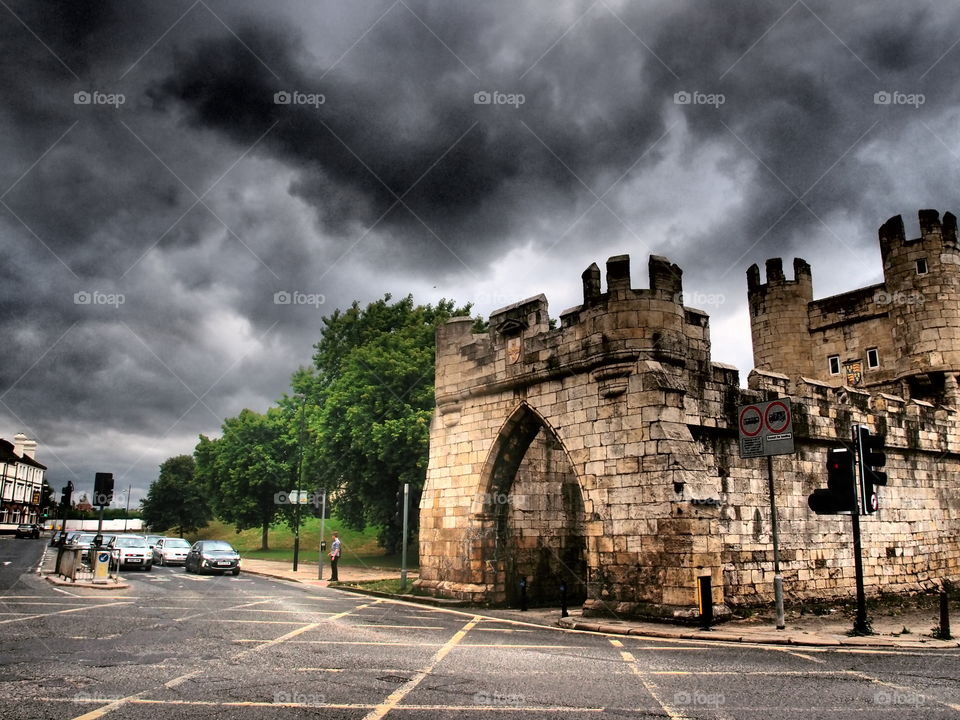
x,y
170,551
130,551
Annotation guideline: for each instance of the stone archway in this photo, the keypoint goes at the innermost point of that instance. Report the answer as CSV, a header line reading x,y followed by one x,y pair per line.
x,y
535,503
568,445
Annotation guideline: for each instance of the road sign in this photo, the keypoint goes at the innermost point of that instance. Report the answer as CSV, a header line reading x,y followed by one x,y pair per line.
x,y
765,428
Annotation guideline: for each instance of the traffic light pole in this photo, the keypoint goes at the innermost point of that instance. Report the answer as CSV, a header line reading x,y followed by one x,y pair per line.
x,y
861,626
777,577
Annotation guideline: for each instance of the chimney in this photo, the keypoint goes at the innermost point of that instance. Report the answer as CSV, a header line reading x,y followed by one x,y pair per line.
x,y
24,447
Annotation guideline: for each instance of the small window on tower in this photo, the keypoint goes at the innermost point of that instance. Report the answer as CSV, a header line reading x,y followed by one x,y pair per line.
x,y
873,358
834,362
921,266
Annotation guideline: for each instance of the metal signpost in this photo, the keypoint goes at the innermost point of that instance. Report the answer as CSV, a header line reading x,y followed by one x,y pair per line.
x,y
403,553
323,543
766,429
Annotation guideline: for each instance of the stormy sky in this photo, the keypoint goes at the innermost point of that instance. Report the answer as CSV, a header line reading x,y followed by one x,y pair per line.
x,y
188,187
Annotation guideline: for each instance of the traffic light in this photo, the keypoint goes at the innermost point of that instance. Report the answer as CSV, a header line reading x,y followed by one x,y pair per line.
x,y
870,450
102,489
65,495
840,494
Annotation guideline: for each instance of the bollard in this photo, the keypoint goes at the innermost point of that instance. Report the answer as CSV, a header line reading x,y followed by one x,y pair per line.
x,y
563,599
705,598
523,594
945,615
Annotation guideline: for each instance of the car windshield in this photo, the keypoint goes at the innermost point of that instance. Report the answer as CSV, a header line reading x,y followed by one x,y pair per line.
x,y
217,546
176,543
130,542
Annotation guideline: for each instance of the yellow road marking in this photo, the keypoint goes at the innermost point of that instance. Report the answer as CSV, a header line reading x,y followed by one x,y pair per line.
x,y
100,712
61,612
348,642
400,693
652,689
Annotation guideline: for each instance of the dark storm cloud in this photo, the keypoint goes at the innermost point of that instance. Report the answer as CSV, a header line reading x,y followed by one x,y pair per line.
x,y
200,197
798,100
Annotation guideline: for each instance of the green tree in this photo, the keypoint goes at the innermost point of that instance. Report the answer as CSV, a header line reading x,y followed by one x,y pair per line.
x,y
247,469
176,498
371,399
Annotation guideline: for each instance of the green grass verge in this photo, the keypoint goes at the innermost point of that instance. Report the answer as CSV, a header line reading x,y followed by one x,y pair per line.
x,y
359,548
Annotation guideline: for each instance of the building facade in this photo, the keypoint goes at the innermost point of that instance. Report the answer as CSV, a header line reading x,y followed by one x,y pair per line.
x,y
21,482
603,454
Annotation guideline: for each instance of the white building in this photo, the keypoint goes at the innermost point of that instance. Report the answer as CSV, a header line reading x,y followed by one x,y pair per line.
x,y
21,482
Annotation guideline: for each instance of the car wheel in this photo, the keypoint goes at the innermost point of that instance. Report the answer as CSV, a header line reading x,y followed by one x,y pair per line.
x,y
236,571
148,567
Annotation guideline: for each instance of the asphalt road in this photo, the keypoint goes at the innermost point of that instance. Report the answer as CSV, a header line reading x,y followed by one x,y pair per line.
x,y
182,646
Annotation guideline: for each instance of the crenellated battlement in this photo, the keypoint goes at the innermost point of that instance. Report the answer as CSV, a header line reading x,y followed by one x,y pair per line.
x,y
619,325
802,277
901,336
933,232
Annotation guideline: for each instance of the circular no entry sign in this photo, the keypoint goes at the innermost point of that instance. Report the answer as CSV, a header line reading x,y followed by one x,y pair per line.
x,y
777,417
751,421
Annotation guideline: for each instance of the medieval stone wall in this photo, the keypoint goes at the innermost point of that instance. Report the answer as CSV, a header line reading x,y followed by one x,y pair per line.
x,y
603,453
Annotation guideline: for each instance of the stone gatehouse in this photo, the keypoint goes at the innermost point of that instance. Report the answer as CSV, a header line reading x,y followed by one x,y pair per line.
x,y
603,453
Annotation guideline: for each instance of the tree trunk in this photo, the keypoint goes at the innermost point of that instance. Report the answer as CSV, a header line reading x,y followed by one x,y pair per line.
x,y
263,537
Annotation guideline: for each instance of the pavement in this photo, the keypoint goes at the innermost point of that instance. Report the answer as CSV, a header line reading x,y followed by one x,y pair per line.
x,y
909,629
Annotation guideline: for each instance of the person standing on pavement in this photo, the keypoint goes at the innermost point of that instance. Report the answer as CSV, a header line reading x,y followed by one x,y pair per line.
x,y
334,557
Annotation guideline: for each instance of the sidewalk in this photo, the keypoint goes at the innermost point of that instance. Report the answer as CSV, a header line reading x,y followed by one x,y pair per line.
x,y
307,572
801,630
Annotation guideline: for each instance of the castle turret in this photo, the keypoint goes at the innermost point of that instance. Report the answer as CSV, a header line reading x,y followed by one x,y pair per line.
x,y
779,318
922,279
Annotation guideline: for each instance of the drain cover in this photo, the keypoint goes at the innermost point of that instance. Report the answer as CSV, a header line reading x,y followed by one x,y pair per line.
x,y
394,679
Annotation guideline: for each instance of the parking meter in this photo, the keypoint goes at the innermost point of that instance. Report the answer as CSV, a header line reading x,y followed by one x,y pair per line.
x,y
323,546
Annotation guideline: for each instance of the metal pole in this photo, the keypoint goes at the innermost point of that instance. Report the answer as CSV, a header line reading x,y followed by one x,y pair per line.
x,y
777,577
403,552
323,515
126,513
861,626
296,510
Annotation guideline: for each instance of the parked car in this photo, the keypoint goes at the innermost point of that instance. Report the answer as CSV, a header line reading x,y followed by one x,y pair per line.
x,y
84,540
28,530
170,551
212,556
153,539
130,550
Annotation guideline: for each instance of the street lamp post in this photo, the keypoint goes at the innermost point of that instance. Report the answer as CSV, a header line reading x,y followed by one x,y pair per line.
x,y
296,511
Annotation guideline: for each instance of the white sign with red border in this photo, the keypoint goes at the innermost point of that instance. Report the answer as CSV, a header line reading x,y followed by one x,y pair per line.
x,y
765,428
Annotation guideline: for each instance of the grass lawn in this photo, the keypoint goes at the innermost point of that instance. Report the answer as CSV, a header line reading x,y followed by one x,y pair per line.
x,y
358,548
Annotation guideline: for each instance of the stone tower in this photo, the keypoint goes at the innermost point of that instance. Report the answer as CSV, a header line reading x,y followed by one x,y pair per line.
x,y
779,318
922,278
